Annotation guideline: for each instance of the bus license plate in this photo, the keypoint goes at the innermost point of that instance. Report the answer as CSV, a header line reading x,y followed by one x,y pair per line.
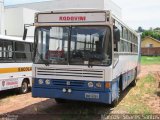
x,y
92,95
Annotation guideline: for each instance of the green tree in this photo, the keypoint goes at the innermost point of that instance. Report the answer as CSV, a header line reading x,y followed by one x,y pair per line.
x,y
151,33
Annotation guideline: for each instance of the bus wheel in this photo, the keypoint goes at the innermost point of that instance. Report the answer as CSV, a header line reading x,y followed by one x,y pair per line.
x,y
133,83
115,102
58,100
24,87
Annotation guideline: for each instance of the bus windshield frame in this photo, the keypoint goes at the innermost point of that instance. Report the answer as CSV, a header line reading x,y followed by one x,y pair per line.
x,y
73,45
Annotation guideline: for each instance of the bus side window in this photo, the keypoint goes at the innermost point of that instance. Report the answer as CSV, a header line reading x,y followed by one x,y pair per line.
x,y
1,46
116,34
23,52
7,51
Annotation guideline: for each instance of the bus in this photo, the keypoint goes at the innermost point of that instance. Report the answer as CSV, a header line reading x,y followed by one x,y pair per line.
x,y
83,55
15,63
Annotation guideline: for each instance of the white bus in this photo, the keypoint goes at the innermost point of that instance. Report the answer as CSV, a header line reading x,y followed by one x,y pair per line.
x,y
84,55
15,63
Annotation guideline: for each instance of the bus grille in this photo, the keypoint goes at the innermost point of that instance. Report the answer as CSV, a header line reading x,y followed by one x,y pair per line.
x,y
68,73
72,83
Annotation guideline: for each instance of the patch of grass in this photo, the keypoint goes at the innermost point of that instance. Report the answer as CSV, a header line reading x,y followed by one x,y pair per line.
x,y
149,60
147,85
149,79
139,108
135,101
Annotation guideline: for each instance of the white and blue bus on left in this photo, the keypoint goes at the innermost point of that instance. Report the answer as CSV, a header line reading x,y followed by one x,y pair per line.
x,y
84,55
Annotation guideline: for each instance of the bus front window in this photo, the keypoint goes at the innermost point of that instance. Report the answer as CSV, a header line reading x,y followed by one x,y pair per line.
x,y
90,45
73,45
52,45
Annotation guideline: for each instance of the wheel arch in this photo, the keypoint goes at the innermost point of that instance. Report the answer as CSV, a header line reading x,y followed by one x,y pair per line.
x,y
26,80
121,82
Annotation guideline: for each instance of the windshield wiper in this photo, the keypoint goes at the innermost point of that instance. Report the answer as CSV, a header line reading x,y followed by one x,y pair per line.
x,y
89,63
46,62
94,57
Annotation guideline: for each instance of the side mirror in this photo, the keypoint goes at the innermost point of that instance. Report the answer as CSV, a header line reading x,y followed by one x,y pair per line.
x,y
25,33
116,35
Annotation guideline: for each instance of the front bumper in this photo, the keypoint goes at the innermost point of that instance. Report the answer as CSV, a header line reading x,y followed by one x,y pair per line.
x,y
104,97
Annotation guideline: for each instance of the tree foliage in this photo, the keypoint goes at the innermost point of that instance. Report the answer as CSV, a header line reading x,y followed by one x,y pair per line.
x,y
151,33
155,33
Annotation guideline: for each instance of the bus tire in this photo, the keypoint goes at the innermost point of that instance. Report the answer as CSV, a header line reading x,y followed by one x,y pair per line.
x,y
134,82
59,101
115,102
24,87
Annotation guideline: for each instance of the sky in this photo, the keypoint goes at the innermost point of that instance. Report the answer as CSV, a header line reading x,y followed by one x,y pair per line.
x,y
135,13
145,13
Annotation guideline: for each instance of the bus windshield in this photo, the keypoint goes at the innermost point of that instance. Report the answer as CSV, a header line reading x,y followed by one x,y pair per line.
x,y
76,45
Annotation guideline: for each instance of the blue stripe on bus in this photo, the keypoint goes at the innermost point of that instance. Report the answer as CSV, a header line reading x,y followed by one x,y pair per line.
x,y
78,93
74,95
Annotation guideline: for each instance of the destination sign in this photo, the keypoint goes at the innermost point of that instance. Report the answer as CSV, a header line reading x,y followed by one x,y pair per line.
x,y
71,17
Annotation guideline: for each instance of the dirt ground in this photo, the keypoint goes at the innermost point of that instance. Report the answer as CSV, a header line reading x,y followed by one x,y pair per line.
x,y
25,104
152,101
146,69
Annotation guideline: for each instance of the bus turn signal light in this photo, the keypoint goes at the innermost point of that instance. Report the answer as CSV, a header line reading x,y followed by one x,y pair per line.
x,y
107,85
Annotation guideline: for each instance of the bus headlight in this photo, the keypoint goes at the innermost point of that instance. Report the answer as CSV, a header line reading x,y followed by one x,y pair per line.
x,y
48,82
90,84
40,81
69,90
98,85
64,90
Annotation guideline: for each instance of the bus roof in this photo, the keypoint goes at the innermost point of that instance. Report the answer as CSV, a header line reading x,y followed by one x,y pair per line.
x,y
63,11
75,10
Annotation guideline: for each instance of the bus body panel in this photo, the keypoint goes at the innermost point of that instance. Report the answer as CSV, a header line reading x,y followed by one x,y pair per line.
x,y
78,91
95,73
12,75
101,97
126,68
59,83
78,85
125,64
